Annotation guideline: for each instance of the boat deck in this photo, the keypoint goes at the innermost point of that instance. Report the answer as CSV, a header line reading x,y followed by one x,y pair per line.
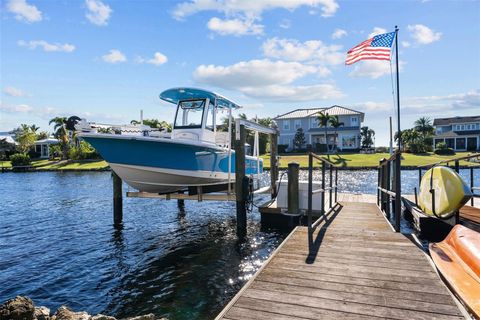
x,y
361,269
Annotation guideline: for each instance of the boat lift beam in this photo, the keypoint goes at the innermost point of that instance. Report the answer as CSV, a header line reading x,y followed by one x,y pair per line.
x,y
252,126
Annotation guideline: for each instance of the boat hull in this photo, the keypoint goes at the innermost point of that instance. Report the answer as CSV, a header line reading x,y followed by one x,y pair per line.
x,y
163,165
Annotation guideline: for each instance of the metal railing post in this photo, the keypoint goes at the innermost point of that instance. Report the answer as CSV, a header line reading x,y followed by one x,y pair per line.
x,y
336,184
331,185
323,189
309,213
471,184
388,186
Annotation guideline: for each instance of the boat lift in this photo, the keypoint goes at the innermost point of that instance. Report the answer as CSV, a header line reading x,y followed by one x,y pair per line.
x,y
240,186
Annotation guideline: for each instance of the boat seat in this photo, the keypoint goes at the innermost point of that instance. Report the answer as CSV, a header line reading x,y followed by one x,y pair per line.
x,y
458,260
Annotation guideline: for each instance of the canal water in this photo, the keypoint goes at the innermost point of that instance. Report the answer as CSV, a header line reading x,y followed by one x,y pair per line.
x,y
58,246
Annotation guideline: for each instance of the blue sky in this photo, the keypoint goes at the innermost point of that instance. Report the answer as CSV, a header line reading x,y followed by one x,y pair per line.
x,y
106,60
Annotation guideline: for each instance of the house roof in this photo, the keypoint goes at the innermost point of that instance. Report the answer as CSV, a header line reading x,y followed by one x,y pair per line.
x,y
447,121
312,112
8,139
46,141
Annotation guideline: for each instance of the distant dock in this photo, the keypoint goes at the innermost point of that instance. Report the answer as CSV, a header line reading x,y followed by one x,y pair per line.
x,y
360,269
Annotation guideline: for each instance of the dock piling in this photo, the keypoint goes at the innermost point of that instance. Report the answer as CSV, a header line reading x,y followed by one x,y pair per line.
x,y
273,163
117,199
293,189
240,190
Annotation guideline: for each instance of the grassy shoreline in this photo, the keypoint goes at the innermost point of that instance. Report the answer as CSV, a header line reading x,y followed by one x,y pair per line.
x,y
356,161
350,161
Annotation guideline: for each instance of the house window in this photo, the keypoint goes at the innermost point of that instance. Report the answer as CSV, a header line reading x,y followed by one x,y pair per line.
x,y
286,125
354,121
298,123
314,123
348,141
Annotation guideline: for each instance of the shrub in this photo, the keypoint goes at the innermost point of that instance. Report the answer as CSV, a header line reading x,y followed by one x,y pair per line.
x,y
382,149
443,150
282,148
320,147
20,159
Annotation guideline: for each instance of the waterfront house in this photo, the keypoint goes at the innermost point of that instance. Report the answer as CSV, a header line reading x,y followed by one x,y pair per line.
x,y
42,147
459,133
346,137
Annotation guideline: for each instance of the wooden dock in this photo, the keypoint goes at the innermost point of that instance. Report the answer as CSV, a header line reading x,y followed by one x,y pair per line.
x,y
360,269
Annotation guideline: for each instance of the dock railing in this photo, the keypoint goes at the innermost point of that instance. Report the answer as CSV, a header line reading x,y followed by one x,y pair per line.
x,y
329,168
389,193
456,166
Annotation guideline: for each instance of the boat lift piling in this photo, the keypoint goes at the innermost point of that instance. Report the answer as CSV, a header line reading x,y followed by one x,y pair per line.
x,y
117,200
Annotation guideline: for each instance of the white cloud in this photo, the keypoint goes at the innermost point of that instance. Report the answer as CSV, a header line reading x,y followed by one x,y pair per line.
x,y
406,44
157,60
285,24
114,56
14,92
21,108
237,27
458,101
251,8
374,68
423,34
252,73
24,11
98,13
339,33
282,93
377,31
374,106
266,79
312,50
48,47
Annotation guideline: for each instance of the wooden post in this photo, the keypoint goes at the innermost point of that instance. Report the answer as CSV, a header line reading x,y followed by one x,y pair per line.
x,y
457,166
117,199
331,185
293,192
273,163
240,191
398,190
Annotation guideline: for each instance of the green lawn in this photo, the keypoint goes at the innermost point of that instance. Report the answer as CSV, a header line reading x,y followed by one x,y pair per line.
x,y
65,165
366,160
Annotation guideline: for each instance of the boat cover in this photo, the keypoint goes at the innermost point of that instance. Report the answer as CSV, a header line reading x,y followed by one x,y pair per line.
x,y
175,95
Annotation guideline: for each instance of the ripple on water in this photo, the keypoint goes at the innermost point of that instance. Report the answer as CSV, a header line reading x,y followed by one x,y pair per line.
x,y
58,246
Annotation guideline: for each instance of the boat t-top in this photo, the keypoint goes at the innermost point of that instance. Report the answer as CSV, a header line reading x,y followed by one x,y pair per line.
x,y
194,154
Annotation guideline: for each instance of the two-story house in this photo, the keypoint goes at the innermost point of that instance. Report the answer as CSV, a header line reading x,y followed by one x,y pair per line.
x,y
459,133
346,137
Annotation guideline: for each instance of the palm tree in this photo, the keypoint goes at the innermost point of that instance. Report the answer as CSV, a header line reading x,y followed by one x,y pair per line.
x,y
335,123
323,119
60,132
367,135
424,126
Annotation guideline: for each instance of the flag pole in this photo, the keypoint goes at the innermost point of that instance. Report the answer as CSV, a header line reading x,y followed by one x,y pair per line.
x,y
398,90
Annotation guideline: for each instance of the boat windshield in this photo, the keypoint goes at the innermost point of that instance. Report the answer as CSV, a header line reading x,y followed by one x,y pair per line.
x,y
189,114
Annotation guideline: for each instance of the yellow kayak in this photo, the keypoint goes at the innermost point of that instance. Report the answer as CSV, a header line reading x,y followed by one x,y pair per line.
x,y
451,192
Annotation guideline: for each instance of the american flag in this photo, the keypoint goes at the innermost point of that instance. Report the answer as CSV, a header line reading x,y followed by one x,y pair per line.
x,y
378,47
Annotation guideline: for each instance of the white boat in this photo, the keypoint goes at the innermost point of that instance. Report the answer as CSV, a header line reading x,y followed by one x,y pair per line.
x,y
194,154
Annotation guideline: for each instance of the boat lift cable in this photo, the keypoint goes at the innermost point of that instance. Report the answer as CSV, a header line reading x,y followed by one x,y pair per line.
x,y
250,200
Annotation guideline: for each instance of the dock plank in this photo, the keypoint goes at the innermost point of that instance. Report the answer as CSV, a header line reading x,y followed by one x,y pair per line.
x,y
362,270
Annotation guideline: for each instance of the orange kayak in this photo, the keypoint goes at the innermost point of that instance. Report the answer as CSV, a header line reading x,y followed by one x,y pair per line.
x,y
458,260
